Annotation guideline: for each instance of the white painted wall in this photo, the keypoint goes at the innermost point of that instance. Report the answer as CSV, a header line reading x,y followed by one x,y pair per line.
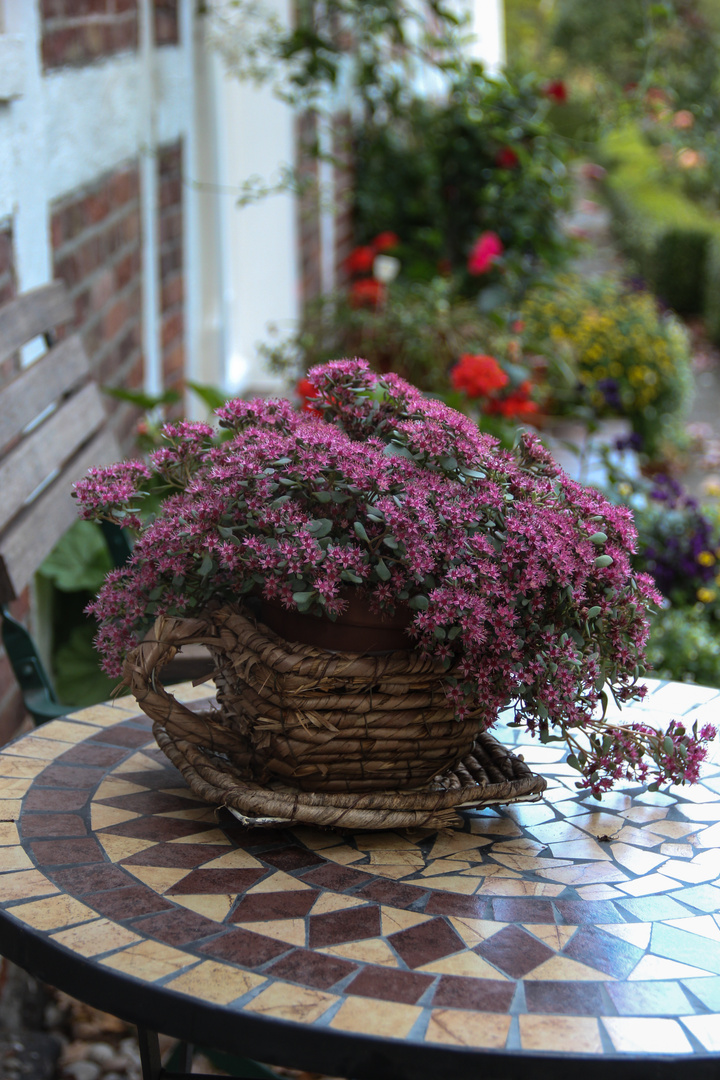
x,y
488,25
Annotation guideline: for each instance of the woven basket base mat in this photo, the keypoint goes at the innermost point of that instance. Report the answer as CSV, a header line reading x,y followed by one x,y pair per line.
x,y
489,775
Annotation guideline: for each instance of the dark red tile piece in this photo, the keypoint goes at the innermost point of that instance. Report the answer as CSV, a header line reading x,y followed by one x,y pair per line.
x,y
575,912
427,942
244,947
70,776
275,905
121,736
352,924
85,879
528,909
52,825
92,755
599,950
334,877
157,828
149,802
177,927
127,903
311,969
156,779
473,907
39,798
388,985
391,892
216,881
244,837
181,856
564,998
514,951
649,999
292,857
481,995
67,852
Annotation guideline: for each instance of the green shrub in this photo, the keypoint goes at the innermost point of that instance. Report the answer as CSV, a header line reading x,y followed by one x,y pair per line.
x,y
684,645
657,225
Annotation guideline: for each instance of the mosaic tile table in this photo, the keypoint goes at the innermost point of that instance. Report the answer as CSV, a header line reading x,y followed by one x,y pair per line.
x,y
542,939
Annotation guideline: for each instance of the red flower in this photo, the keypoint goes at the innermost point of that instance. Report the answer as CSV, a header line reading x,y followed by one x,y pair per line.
x,y
360,260
516,406
478,375
385,241
506,158
484,252
556,91
306,391
367,293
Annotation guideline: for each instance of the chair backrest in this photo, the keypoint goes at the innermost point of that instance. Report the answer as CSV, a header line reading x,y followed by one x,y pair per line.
x,y
52,429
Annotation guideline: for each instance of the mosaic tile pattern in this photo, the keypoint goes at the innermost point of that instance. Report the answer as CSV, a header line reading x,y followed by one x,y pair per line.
x,y
555,926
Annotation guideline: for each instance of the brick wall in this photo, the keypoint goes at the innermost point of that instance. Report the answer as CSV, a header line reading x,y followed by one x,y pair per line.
x,y
308,209
167,22
11,706
96,245
77,32
343,186
172,321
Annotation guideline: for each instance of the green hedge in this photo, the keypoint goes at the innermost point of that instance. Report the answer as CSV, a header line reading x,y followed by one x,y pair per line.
x,y
674,242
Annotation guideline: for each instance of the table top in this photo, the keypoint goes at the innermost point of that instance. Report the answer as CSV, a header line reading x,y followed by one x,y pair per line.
x,y
538,935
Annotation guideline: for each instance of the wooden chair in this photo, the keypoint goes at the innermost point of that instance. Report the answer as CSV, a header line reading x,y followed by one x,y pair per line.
x,y
52,429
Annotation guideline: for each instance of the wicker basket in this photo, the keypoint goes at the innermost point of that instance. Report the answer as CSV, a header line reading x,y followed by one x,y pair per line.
x,y
302,734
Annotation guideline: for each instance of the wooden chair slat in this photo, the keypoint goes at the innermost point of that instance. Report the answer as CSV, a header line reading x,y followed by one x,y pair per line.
x,y
35,532
47,449
35,312
38,386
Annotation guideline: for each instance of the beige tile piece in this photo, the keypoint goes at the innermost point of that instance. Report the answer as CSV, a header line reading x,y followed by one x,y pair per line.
x,y
646,1035
473,931
642,838
491,869
459,843
467,964
706,1030
186,692
211,836
107,715
159,878
103,817
581,849
316,839
703,867
444,866
657,967
183,793
596,873
344,854
288,1002
213,906
194,813
67,731
600,824
234,860
650,885
523,846
704,925
394,919
502,887
677,851
556,937
9,836
451,883
673,829
139,762
14,858
211,981
113,789
644,814
291,930
384,841
371,951
398,872
458,1027
122,847
576,1034
636,933
598,892
277,882
24,884
34,746
15,787
412,860
10,808
482,825
563,969
390,1019
18,767
93,938
329,901
53,913
149,960
700,813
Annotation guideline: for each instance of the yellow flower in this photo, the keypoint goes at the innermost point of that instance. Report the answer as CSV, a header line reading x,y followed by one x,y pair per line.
x,y
625,490
706,558
706,595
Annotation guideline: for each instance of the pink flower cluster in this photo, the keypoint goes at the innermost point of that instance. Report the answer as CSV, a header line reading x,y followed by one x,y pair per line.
x,y
519,579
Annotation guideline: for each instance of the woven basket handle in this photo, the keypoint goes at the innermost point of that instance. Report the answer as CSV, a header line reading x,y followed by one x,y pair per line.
x,y
140,674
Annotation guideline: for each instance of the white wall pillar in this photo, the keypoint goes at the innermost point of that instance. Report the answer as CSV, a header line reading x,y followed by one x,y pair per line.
x,y
147,116
488,26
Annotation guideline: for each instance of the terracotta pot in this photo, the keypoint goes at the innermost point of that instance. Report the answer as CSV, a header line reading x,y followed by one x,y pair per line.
x,y
357,630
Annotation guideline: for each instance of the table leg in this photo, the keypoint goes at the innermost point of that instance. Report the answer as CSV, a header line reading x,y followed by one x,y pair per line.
x,y
152,1067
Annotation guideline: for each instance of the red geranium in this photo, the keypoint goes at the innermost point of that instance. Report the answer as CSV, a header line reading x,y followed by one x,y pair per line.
x,y
385,241
360,260
478,375
516,405
306,392
367,293
556,91
485,251
506,158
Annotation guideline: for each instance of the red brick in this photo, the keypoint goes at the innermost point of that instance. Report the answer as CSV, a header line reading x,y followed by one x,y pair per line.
x,y
6,251
114,319
172,292
172,328
52,8
126,268
102,289
122,6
